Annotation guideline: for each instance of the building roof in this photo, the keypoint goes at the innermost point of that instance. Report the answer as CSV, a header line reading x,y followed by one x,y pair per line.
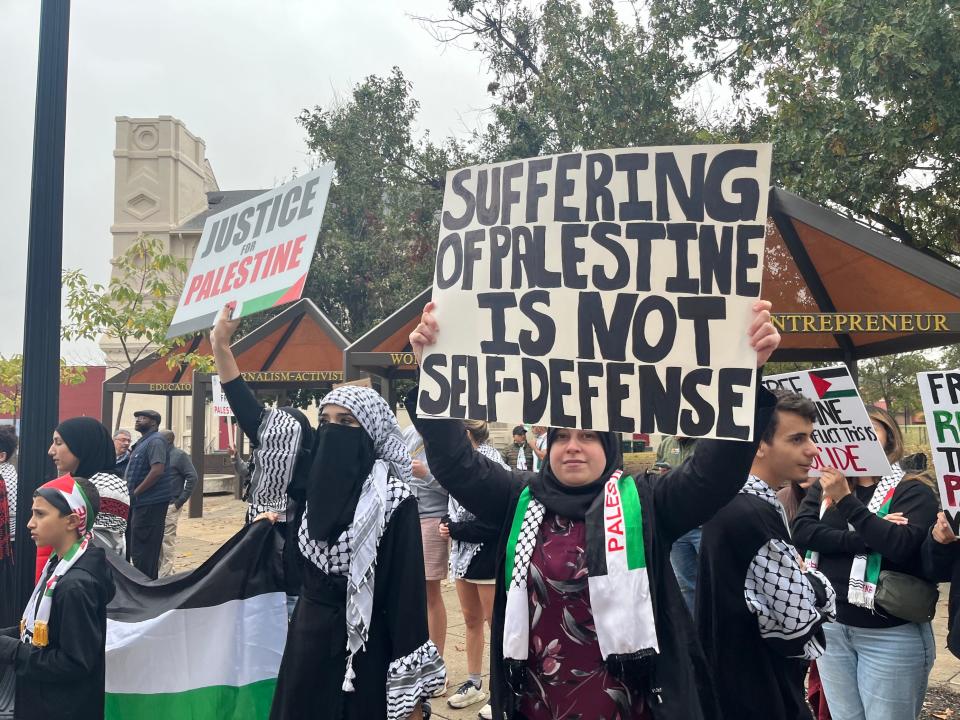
x,y
217,201
300,342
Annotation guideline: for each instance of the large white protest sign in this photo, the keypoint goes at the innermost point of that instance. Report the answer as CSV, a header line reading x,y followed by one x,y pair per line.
x,y
843,432
940,393
255,254
609,290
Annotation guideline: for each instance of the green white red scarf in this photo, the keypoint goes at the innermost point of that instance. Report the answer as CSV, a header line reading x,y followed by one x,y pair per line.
x,y
865,569
34,625
618,583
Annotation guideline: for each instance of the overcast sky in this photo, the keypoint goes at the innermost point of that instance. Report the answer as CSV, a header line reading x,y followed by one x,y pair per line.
x,y
236,72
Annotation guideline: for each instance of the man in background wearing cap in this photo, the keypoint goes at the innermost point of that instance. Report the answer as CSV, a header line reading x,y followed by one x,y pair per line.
x,y
150,493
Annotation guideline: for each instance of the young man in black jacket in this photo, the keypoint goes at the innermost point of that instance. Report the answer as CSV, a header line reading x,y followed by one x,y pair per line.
x,y
58,650
760,611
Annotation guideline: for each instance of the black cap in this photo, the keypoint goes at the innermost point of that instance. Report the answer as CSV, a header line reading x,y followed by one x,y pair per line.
x,y
152,414
519,430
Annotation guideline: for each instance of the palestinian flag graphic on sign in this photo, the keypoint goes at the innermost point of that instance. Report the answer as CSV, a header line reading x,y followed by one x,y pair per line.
x,y
833,383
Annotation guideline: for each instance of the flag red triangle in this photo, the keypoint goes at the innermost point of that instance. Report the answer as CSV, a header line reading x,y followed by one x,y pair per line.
x,y
819,384
294,292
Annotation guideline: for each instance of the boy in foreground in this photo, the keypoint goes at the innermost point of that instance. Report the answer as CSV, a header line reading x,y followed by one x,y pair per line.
x,y
58,650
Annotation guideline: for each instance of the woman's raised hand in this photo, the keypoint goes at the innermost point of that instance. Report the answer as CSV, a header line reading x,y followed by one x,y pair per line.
x,y
764,337
224,327
425,333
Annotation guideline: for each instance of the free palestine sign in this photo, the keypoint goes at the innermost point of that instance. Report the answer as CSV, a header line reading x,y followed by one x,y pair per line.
x,y
842,432
255,254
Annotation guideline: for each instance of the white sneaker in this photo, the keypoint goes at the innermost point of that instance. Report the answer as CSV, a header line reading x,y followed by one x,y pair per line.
x,y
466,695
486,713
442,691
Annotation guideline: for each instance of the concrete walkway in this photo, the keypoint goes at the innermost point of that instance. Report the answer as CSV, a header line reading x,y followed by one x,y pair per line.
x,y
223,516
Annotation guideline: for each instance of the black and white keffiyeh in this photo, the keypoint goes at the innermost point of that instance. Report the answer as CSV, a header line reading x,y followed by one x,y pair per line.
x,y
462,553
780,593
9,474
354,554
279,439
114,503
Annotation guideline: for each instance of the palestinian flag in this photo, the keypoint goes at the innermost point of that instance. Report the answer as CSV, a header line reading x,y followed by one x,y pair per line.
x,y
833,382
205,645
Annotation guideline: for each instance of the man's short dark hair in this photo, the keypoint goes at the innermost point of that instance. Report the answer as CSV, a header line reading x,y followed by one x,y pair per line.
x,y
8,440
519,430
788,402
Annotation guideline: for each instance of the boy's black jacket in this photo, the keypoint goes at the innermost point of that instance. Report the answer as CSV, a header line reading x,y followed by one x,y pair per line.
x,y
65,679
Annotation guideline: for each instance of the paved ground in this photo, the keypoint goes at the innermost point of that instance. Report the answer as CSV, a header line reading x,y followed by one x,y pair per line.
x,y
223,516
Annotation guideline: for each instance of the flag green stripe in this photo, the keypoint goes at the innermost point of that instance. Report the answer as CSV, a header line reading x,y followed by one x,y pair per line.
x,y
839,393
521,510
263,302
247,702
633,520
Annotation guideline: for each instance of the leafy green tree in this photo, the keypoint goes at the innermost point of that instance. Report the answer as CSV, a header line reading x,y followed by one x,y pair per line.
x,y
894,378
861,99
377,244
11,380
135,308
568,77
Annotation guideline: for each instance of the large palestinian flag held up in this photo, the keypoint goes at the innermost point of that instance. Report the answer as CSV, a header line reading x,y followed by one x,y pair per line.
x,y
843,432
205,645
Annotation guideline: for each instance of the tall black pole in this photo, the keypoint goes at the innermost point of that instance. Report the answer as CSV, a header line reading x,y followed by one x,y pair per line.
x,y
41,325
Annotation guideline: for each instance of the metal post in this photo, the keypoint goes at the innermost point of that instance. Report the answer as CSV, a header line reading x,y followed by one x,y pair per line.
x,y
198,433
41,326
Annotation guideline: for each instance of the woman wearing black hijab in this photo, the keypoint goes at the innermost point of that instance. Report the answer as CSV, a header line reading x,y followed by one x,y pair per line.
x,y
588,618
82,446
358,646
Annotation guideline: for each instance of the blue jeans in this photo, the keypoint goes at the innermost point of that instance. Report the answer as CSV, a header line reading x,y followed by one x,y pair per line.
x,y
876,673
684,556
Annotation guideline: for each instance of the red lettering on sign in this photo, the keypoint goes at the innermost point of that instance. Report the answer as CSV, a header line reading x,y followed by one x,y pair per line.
x,y
951,483
195,283
842,458
613,545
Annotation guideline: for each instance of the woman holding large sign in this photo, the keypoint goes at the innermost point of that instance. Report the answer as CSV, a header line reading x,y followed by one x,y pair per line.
x,y
865,536
588,618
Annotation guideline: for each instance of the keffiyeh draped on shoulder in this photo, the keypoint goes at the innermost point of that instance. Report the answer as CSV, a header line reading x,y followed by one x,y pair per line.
x,y
354,553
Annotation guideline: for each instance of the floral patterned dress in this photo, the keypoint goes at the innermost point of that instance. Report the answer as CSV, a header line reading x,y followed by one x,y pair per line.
x,y
566,675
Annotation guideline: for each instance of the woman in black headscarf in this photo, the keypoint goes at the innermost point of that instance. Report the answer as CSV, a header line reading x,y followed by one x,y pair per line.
x,y
358,645
588,618
83,446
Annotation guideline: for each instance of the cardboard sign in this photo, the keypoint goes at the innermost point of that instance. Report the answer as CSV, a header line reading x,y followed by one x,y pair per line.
x,y
255,254
609,290
843,432
221,408
940,393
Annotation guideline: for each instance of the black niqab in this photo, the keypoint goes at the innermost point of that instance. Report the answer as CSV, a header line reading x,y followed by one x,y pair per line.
x,y
342,460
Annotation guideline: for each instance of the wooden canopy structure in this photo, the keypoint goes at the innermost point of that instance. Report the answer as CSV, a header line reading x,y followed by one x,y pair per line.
x,y
818,262
299,349
826,276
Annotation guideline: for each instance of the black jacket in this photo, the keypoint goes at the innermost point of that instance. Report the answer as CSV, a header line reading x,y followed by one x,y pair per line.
x,y
679,685
898,545
483,566
941,563
65,679
756,678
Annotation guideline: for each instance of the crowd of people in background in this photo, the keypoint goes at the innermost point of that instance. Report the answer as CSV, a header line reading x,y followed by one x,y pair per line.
x,y
726,582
